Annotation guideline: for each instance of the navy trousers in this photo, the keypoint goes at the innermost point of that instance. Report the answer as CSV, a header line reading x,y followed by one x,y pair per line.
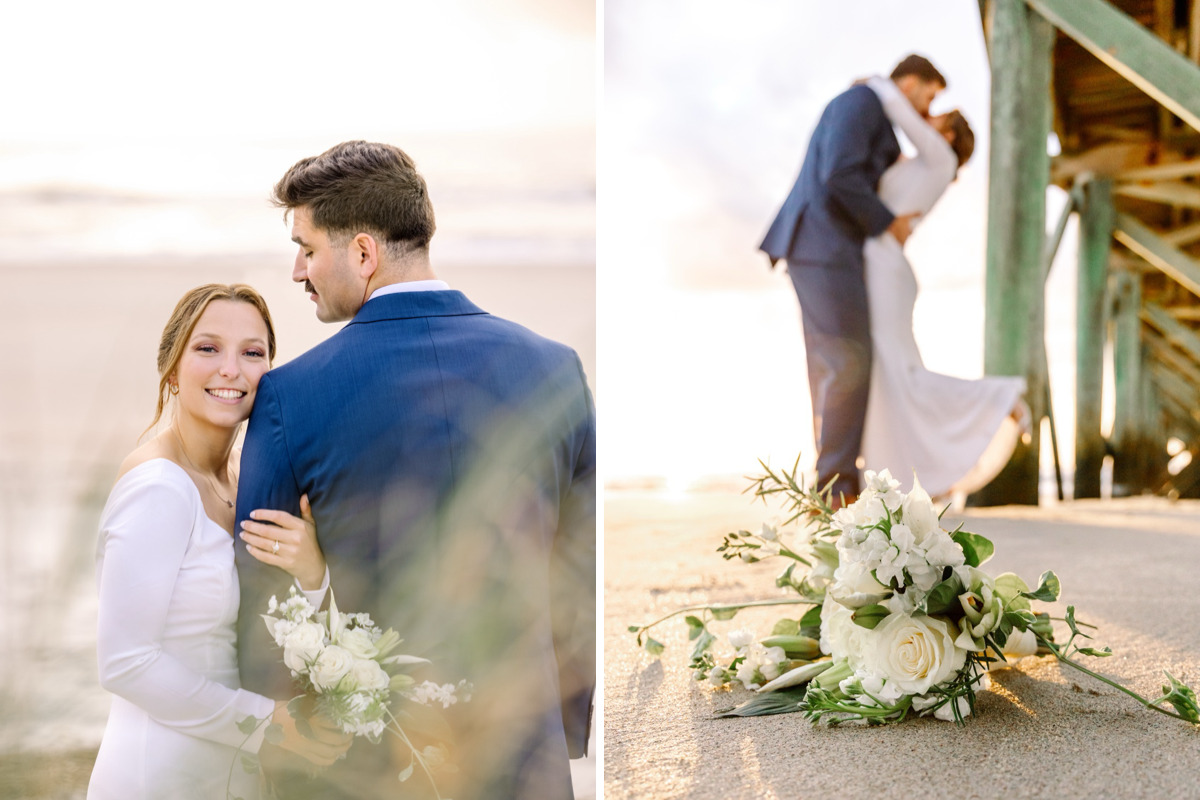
x,y
837,339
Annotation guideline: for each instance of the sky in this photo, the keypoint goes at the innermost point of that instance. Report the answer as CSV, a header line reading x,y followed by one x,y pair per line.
x,y
178,121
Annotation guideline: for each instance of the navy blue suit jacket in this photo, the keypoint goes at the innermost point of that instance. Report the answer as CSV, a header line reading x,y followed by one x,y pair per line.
x,y
833,207
449,457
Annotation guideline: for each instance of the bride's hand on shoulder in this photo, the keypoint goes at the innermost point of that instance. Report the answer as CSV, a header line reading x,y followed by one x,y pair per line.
x,y
286,541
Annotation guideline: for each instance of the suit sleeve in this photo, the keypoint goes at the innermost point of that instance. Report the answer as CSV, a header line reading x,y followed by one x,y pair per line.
x,y
266,481
846,174
145,541
573,586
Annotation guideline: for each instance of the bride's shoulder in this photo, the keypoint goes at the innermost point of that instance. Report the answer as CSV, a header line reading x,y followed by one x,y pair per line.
x,y
152,451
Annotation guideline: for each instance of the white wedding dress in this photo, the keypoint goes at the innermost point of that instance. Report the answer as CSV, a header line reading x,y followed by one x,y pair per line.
x,y
167,646
955,434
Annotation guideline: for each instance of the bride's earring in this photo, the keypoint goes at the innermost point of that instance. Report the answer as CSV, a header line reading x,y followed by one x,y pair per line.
x,y
173,388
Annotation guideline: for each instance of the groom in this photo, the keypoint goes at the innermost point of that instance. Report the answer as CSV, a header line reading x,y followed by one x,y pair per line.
x,y
820,230
449,458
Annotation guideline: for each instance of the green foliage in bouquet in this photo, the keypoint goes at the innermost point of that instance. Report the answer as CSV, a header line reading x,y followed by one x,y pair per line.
x,y
903,620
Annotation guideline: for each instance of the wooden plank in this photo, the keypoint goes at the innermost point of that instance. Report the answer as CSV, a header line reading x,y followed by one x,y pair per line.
x,y
1149,245
1179,363
1161,172
1169,192
1135,53
1175,332
1179,390
1091,327
1185,235
1014,317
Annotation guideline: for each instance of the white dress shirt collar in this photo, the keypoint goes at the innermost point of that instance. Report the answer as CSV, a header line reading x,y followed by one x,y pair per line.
x,y
410,286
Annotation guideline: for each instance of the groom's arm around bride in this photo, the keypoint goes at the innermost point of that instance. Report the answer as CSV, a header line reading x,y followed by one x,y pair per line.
x,y
449,457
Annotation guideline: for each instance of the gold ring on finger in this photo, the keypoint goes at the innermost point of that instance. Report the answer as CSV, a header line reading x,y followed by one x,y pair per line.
x,y
275,547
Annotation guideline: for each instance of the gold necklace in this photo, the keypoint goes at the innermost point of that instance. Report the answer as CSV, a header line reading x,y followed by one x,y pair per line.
x,y
207,477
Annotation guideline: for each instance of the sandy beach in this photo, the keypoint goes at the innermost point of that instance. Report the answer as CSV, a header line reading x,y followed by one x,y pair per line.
x,y
80,337
1044,730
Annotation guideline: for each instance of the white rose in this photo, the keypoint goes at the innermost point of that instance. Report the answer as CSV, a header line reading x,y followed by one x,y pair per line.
x,y
302,645
1018,645
841,636
331,666
366,675
358,642
854,586
915,653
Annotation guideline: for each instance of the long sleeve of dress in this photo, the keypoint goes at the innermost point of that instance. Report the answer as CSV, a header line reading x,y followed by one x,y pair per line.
x,y
933,150
145,537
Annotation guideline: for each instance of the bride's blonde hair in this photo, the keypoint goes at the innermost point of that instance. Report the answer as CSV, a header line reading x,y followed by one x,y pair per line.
x,y
183,321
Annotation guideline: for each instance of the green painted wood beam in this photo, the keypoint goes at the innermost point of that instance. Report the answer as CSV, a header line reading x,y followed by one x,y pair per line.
x,y
1091,331
1131,50
1019,171
1157,251
1131,440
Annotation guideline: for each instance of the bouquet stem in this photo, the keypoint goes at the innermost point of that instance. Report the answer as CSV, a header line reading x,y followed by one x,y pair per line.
x,y
1056,652
784,601
417,757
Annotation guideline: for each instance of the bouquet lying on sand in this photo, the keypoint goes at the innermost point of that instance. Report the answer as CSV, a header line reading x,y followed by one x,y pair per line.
x,y
904,620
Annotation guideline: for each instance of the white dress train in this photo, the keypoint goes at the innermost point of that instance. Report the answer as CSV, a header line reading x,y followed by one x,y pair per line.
x,y
955,434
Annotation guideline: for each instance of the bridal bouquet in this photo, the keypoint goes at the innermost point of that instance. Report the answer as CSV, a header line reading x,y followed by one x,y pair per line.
x,y
344,664
904,620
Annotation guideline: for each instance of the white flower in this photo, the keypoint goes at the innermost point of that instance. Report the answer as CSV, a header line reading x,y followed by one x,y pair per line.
x,y
365,675
769,533
918,512
742,637
358,642
429,693
854,586
331,666
841,636
761,664
1019,644
915,653
871,690
302,645
941,550
718,676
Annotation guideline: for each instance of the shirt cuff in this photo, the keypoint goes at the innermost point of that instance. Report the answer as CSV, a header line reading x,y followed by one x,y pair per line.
x,y
316,596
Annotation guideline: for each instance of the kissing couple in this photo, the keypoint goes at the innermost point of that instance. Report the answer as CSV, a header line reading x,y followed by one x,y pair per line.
x,y
842,232
431,464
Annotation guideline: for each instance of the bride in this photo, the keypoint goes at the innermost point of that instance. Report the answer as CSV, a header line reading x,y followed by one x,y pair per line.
x,y
165,571
955,434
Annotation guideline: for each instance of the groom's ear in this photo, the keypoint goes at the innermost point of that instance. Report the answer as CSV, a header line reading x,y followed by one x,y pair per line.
x,y
364,255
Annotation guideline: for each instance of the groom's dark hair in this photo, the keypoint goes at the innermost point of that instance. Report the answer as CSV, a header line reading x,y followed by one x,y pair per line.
x,y
358,187
921,67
